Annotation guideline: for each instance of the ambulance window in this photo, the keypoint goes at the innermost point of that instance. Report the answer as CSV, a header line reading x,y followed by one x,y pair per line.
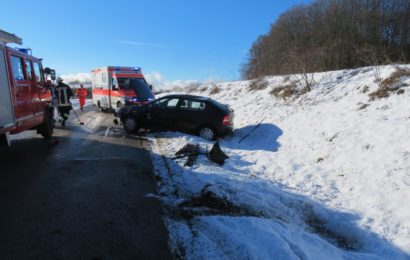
x,y
37,72
114,84
17,68
29,70
104,77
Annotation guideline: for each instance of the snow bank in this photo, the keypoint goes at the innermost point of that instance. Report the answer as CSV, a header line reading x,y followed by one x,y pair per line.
x,y
325,174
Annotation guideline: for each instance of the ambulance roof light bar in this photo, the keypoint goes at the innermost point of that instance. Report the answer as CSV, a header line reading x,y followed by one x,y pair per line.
x,y
10,38
136,69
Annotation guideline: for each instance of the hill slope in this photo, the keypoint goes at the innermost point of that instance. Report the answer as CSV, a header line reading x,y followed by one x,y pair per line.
x,y
321,173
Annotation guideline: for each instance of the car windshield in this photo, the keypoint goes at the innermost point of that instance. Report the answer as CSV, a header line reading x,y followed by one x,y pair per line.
x,y
139,85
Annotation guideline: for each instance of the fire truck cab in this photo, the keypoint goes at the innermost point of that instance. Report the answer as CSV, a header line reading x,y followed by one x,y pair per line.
x,y
114,87
25,97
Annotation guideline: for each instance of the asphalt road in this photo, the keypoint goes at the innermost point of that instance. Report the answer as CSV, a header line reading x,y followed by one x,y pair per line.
x,y
83,198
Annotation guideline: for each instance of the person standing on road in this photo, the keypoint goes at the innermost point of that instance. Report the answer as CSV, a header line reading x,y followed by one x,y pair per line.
x,y
82,94
63,93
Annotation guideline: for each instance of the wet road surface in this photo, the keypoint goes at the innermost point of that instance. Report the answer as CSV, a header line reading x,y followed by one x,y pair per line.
x,y
84,198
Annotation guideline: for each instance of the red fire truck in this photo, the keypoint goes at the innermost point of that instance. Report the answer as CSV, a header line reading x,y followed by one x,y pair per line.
x,y
115,86
25,97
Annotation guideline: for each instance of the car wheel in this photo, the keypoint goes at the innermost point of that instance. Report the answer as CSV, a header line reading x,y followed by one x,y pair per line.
x,y
130,124
100,107
207,133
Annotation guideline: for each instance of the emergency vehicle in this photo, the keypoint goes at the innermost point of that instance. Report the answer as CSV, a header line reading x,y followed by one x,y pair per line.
x,y
25,97
115,86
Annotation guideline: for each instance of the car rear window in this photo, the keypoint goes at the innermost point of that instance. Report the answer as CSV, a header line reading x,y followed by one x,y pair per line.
x,y
223,107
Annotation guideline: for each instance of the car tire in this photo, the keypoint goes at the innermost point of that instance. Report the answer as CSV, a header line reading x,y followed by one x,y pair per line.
x,y
207,132
47,128
130,124
100,107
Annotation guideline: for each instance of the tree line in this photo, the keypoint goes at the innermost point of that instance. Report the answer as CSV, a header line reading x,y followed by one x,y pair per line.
x,y
331,35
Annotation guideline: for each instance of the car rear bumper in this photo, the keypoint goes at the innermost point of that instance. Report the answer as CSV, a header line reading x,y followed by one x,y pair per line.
x,y
228,130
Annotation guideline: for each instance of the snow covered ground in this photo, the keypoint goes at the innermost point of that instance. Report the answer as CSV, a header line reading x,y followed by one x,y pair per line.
x,y
322,175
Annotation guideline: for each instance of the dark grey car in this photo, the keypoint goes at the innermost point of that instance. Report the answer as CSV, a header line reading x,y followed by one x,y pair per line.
x,y
200,115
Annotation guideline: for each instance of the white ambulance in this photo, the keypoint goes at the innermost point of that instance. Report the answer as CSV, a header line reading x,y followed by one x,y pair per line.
x,y
115,86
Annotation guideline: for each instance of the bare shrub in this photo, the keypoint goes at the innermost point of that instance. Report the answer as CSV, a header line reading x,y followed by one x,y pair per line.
x,y
302,62
395,77
379,93
290,90
215,90
202,89
258,84
284,92
392,84
192,87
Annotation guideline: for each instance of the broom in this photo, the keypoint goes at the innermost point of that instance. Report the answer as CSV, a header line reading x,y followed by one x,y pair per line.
x,y
81,123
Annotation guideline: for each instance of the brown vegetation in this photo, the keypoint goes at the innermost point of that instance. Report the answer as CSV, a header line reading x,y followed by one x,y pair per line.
x,y
214,90
284,92
258,84
392,84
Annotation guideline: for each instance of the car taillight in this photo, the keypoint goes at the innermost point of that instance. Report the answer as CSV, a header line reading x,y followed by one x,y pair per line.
x,y
227,120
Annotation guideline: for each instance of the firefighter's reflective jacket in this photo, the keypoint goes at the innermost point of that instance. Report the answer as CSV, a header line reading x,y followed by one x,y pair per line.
x,y
63,93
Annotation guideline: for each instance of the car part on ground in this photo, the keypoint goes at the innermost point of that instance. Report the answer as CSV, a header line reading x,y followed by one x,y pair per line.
x,y
191,151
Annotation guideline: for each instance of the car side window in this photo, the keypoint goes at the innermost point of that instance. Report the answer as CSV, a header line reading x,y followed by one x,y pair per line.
x,y
17,68
192,105
166,103
29,69
172,103
37,72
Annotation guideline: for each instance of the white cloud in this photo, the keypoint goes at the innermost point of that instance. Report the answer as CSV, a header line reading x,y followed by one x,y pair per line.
x,y
158,82
155,78
81,77
141,44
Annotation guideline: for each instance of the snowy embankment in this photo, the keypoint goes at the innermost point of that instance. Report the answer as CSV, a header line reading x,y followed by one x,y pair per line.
x,y
322,175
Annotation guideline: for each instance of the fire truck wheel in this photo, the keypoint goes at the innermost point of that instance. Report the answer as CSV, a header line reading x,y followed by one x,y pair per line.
x,y
46,129
130,124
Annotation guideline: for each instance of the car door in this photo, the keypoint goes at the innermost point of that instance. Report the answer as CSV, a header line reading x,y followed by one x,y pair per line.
x,y
162,113
191,114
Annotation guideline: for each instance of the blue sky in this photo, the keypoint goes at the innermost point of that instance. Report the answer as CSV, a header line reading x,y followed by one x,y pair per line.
x,y
179,40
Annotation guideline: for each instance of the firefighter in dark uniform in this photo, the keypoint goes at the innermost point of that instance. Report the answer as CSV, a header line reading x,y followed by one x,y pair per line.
x,y
63,94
